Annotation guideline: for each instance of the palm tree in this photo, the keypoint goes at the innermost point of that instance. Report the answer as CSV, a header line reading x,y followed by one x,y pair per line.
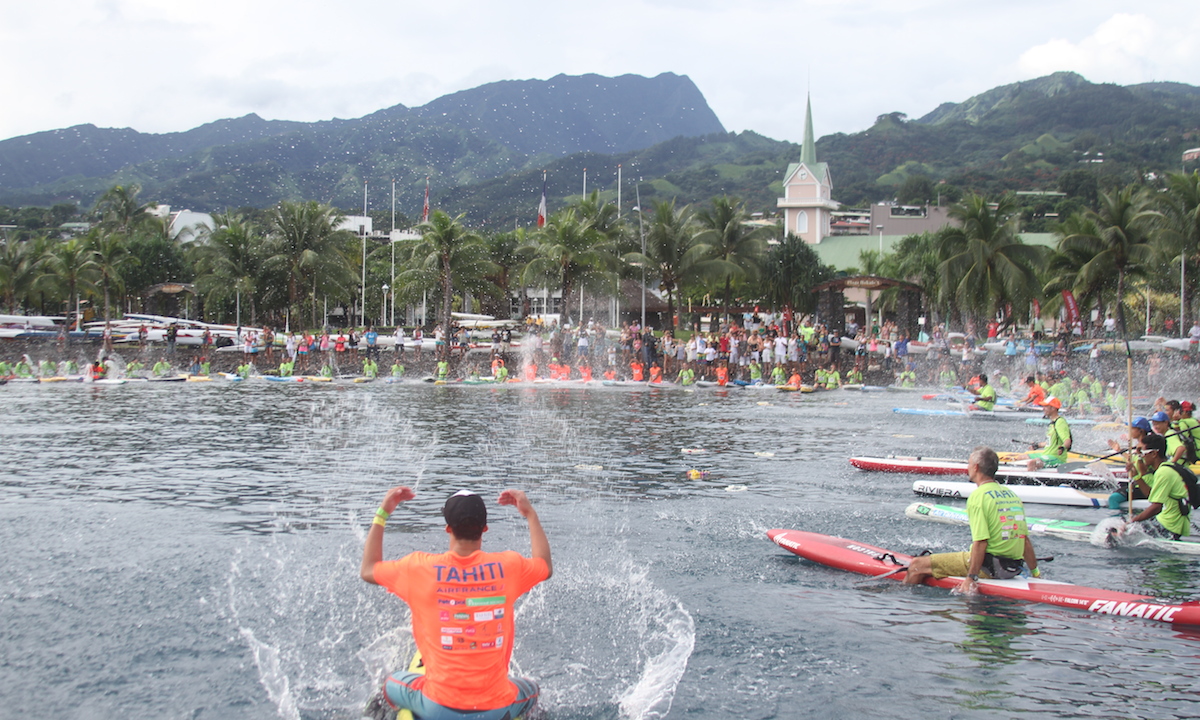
x,y
230,263
733,242
1120,242
1064,265
871,262
601,215
121,210
306,247
445,254
1180,207
676,252
20,267
508,253
791,270
915,259
111,257
984,263
68,269
570,253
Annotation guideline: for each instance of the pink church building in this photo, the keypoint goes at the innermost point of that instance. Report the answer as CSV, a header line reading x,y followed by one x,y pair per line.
x,y
807,203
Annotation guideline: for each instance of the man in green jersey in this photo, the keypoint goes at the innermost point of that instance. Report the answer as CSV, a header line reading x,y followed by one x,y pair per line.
x,y
985,396
755,373
687,376
778,376
1000,546
1168,494
1058,438
833,378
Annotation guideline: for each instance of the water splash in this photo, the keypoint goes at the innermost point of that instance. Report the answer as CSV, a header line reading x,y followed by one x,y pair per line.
x,y
630,646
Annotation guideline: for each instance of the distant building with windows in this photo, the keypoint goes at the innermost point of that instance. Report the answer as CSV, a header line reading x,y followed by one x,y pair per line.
x,y
807,203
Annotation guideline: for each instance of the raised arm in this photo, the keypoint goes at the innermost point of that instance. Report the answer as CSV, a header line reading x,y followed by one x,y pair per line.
x,y
373,548
538,544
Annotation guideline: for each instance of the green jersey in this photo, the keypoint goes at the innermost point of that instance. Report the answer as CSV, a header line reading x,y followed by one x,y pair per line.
x,y
1167,488
397,370
997,515
755,371
777,376
833,380
687,376
443,369
1057,435
987,398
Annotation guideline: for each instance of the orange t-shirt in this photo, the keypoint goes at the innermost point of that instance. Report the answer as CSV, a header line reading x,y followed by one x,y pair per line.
x,y
722,376
1037,394
462,620
531,372
636,367
585,373
655,374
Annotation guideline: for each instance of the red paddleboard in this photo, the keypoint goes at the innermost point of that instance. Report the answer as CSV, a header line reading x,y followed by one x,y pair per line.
x,y
869,560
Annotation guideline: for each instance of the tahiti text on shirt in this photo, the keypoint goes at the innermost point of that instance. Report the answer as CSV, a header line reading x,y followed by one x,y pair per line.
x,y
476,573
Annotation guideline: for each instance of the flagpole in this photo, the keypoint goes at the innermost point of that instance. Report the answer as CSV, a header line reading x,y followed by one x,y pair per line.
x,y
392,242
585,182
641,231
363,308
618,190
425,208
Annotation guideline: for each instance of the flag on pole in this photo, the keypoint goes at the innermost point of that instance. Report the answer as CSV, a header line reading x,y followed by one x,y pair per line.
x,y
541,220
1071,306
425,210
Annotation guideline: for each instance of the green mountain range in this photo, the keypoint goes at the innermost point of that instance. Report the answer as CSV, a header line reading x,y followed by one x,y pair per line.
x,y
485,149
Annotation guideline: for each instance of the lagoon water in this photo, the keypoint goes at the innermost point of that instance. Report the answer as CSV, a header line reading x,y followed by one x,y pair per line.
x,y
191,551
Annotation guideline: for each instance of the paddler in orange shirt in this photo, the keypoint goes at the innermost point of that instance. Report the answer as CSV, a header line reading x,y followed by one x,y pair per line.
x,y
585,372
723,374
610,373
794,381
1036,395
531,372
637,369
655,373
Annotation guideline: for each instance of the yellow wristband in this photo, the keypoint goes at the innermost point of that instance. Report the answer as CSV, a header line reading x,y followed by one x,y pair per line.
x,y
380,521
1037,572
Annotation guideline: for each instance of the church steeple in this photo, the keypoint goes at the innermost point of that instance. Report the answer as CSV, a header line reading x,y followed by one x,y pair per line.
x,y
808,151
807,201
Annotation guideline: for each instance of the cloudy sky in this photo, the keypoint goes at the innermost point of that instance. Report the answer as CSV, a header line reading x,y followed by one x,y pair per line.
x,y
169,65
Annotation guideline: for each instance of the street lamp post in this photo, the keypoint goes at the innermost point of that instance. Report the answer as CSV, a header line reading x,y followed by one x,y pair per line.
x,y
383,306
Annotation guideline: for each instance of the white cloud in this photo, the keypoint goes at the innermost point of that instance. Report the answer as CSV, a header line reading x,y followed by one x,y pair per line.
x,y
168,65
1125,49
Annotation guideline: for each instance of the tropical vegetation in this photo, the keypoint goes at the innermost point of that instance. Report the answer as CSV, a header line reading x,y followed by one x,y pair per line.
x,y
293,266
